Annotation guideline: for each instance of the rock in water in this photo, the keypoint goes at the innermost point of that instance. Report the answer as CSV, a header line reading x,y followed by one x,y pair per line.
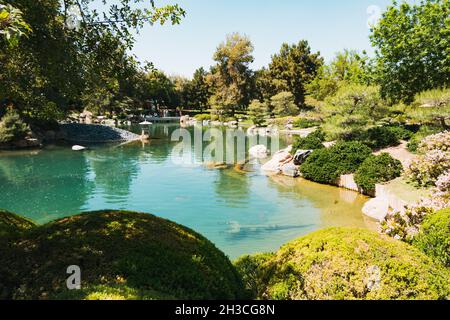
x,y
258,152
290,170
78,148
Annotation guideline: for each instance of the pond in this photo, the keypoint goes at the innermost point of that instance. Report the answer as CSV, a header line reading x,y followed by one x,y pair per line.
x,y
242,212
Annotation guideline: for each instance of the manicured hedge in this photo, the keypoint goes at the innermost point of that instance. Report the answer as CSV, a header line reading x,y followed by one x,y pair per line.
x,y
434,238
377,169
122,255
380,137
346,263
326,165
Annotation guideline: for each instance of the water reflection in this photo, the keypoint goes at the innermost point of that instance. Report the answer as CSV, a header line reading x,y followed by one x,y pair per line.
x,y
44,185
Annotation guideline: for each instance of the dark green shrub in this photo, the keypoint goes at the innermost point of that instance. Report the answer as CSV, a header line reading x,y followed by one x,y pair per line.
x,y
347,264
434,238
122,255
12,224
377,169
312,142
306,123
401,132
12,128
326,165
380,137
251,269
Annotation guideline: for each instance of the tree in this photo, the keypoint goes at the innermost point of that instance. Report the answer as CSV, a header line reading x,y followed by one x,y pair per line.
x,y
283,105
12,25
81,55
348,67
432,107
12,127
412,44
293,68
231,76
200,91
258,112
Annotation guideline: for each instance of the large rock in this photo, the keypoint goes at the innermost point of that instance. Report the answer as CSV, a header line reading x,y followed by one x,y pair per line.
x,y
278,160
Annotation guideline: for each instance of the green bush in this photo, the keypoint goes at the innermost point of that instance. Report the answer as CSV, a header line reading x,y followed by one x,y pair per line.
x,y
434,238
326,165
12,128
251,268
12,224
121,255
313,141
401,132
346,264
203,117
258,112
377,169
380,137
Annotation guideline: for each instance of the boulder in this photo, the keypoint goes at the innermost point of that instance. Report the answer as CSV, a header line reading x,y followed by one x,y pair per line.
x,y
78,148
376,208
290,170
278,160
301,156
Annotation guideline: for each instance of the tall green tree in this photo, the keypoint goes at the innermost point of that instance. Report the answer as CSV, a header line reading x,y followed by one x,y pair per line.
x,y
258,112
283,105
293,68
231,77
412,47
200,91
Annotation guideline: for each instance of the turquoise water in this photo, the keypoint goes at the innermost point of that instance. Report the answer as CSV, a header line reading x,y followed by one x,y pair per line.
x,y
241,212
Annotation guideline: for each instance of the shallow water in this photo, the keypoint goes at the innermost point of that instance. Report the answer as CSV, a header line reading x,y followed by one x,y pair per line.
x,y
241,212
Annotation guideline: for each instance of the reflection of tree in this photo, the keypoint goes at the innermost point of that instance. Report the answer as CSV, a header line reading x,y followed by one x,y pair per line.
x,y
233,188
53,183
115,168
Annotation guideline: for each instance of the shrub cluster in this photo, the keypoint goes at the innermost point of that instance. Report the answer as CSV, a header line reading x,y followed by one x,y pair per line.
x,y
380,137
306,123
377,169
326,165
313,141
434,237
345,263
202,117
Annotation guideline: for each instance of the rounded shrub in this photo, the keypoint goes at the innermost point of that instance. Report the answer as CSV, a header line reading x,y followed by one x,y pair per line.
x,y
326,165
434,238
346,263
252,268
377,169
122,255
13,225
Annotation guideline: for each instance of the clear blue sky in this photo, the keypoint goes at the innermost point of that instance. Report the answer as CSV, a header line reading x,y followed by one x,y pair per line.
x,y
328,25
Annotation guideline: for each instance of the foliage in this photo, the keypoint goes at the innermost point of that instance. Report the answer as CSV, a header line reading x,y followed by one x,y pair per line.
x,y
432,107
348,67
326,165
292,68
412,42
283,105
417,138
85,55
434,162
377,169
313,141
434,237
379,137
306,123
13,225
12,127
12,25
203,117
199,91
353,109
231,77
347,264
400,132
121,251
251,268
258,112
